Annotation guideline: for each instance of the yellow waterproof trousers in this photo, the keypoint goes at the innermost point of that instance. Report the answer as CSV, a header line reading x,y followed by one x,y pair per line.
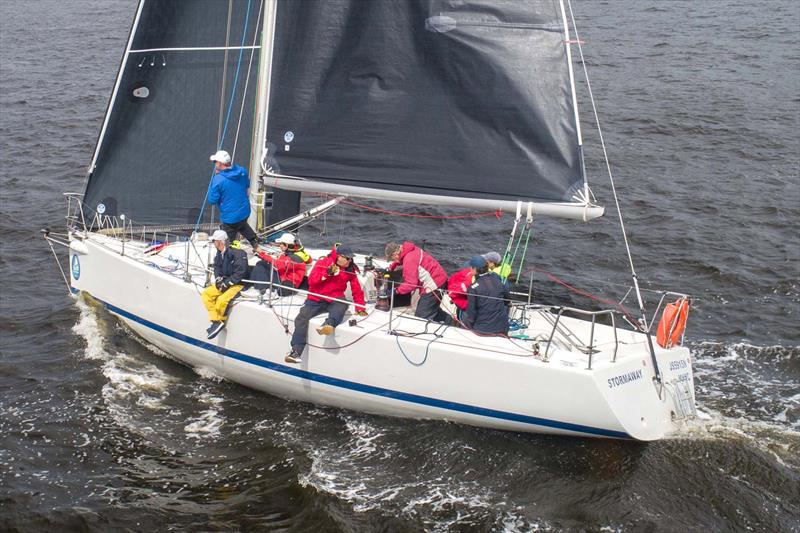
x,y
216,302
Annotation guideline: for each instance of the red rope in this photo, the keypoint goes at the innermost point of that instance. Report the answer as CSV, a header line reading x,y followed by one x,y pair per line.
x,y
584,293
497,214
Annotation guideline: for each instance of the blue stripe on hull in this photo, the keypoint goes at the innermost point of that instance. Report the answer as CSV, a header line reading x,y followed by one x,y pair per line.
x,y
369,389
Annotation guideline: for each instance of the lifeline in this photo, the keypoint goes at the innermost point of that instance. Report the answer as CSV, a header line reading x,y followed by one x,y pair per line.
x,y
616,381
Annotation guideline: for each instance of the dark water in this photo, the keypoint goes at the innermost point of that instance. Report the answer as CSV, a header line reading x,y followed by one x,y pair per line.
x,y
700,103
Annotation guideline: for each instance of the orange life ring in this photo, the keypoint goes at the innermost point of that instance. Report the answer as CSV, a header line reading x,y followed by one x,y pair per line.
x,y
672,324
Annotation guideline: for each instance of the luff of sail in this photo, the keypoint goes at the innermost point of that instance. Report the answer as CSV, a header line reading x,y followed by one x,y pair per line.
x,y
466,103
170,106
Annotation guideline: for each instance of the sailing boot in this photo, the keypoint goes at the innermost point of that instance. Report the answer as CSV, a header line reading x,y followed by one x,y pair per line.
x,y
215,330
326,328
293,357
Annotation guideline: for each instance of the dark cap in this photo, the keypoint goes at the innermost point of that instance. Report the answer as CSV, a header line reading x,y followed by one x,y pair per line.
x,y
476,261
344,250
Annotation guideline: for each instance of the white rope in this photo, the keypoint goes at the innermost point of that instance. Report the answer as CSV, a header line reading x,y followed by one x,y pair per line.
x,y
605,156
246,82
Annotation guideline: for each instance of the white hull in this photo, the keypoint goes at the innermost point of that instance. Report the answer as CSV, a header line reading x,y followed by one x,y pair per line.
x,y
460,377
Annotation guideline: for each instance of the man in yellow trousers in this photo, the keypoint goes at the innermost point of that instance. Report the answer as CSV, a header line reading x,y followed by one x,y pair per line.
x,y
230,267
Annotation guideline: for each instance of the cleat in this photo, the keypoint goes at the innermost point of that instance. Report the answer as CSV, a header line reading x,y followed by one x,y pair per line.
x,y
293,357
325,329
213,332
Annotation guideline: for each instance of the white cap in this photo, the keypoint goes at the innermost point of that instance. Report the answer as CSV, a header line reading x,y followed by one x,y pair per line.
x,y
222,156
286,238
219,235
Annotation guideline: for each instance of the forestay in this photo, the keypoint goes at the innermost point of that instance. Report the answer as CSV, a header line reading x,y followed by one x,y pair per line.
x,y
173,102
469,103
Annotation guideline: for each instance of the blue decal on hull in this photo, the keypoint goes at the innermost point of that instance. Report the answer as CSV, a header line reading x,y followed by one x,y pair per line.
x,y
76,267
370,389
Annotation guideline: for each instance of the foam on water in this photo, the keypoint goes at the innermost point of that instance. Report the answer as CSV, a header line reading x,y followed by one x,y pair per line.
x,y
89,328
353,468
748,393
207,424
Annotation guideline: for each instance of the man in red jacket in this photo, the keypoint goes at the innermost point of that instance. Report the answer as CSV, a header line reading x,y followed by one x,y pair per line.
x,y
327,282
420,272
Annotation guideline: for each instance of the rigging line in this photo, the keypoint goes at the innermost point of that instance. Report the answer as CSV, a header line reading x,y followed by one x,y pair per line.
x,y
246,82
224,72
497,214
524,251
605,155
236,75
644,326
516,248
230,107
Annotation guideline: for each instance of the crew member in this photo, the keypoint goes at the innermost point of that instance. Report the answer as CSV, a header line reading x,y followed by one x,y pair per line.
x,y
287,270
327,282
487,300
457,286
230,267
420,272
496,265
229,189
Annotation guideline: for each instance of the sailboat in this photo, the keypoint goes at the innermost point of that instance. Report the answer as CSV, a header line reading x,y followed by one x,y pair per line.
x,y
469,104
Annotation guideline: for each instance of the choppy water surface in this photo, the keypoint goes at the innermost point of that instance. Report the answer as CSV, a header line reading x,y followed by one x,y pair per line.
x,y
700,103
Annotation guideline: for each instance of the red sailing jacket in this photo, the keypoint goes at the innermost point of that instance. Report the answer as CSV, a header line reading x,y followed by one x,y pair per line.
x,y
290,267
420,270
334,286
457,287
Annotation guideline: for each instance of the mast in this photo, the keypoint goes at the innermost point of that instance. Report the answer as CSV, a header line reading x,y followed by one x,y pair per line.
x,y
262,104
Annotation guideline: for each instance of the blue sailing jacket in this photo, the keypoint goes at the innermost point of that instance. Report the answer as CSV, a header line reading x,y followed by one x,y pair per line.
x,y
228,189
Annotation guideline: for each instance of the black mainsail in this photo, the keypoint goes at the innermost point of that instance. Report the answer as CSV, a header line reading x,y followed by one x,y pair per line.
x,y
463,101
174,98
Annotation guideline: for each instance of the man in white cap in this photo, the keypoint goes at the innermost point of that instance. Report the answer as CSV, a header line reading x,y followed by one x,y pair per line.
x,y
229,190
287,270
230,267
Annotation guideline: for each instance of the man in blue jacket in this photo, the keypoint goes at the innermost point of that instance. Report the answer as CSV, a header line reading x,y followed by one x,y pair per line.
x,y
229,191
487,301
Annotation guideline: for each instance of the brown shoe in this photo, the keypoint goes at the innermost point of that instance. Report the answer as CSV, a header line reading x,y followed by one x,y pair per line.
x,y
325,329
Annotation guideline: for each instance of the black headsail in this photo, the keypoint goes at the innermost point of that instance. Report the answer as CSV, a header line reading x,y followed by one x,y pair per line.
x,y
171,106
454,100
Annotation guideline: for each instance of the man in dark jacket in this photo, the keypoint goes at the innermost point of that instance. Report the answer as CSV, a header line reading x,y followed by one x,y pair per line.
x,y
230,267
487,301
229,190
327,284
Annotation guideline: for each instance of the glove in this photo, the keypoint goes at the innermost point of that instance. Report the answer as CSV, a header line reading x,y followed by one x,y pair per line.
x,y
218,283
332,270
225,285
361,313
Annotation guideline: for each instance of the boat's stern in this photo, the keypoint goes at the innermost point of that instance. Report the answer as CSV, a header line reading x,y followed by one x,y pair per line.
x,y
649,408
